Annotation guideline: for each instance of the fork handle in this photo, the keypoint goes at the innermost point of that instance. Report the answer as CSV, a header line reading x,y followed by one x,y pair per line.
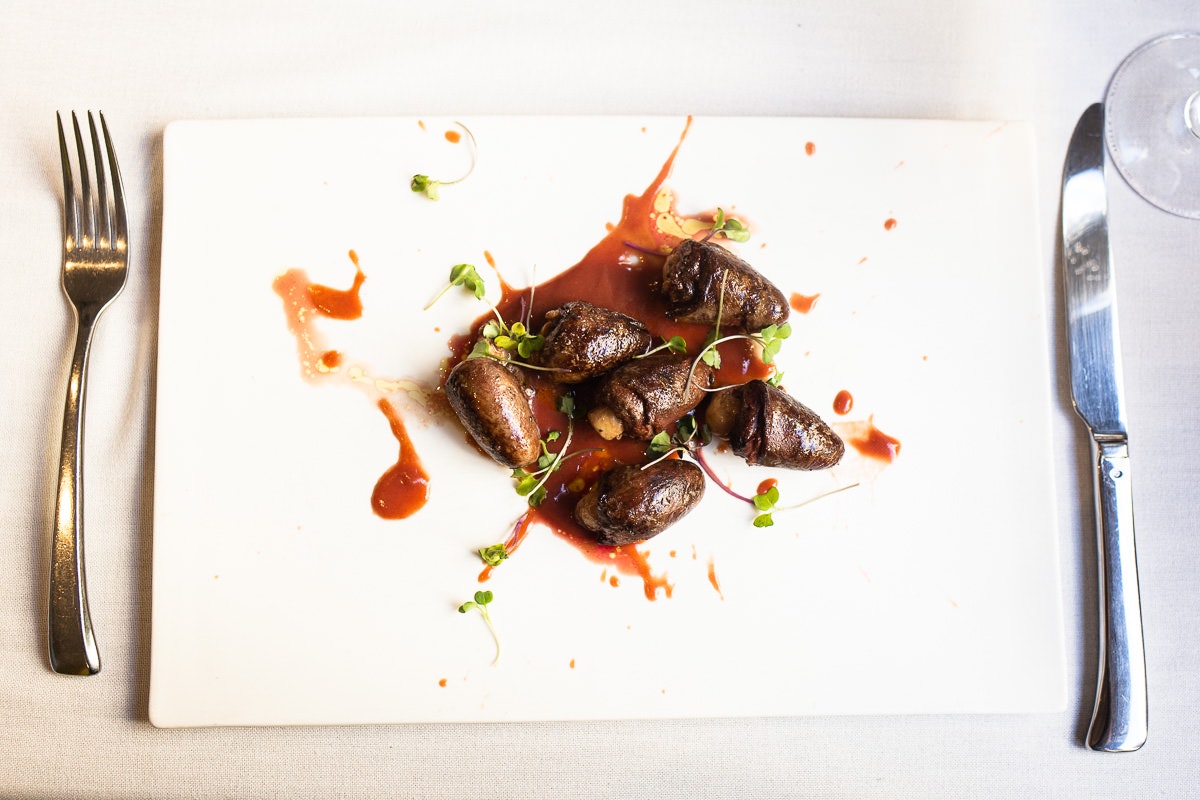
x,y
1119,721
72,643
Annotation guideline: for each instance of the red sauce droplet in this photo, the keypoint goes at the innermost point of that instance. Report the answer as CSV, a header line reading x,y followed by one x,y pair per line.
x,y
331,359
809,148
442,683
404,488
766,485
453,136
843,402
491,260
889,223
874,443
572,663
802,303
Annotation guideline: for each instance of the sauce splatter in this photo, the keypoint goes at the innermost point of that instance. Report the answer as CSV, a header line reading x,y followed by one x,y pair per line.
x,y
874,443
712,578
454,137
810,148
404,488
889,223
802,303
344,304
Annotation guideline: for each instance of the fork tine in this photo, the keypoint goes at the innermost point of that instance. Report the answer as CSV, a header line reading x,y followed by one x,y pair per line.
x,y
85,184
104,222
119,226
70,204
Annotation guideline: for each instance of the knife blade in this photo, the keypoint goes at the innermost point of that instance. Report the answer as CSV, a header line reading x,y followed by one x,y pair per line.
x,y
1120,717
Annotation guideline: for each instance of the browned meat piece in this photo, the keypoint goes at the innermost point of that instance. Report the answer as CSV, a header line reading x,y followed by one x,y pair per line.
x,y
630,504
765,425
583,340
691,283
490,400
642,397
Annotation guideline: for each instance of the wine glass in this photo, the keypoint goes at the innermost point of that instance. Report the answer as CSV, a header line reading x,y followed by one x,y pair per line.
x,y
1152,122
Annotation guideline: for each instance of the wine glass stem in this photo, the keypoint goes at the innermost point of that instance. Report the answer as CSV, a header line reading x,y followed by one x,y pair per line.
x,y
1191,113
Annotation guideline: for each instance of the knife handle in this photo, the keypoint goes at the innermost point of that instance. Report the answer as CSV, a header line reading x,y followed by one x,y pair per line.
x,y
1119,721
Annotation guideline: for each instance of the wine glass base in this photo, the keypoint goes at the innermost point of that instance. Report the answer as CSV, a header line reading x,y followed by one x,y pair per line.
x,y
1152,122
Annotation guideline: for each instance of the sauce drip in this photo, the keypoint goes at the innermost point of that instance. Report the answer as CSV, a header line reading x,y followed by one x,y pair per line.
x,y
889,223
404,488
843,402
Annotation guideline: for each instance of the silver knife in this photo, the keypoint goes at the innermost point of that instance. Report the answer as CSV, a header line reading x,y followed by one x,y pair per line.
x,y
1119,721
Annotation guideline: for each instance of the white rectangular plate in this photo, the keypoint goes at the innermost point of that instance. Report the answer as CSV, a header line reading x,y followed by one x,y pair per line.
x,y
281,598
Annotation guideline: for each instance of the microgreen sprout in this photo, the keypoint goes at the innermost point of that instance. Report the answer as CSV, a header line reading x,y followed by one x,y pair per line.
x,y
532,484
481,602
729,227
464,275
765,503
423,184
770,339
492,555
675,344
515,338
688,436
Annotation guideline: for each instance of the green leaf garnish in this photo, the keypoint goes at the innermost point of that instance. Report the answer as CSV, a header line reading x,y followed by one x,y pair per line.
x,y
765,503
729,227
492,555
423,184
464,275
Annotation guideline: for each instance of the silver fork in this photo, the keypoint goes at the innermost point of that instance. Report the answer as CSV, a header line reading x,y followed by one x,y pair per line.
x,y
95,257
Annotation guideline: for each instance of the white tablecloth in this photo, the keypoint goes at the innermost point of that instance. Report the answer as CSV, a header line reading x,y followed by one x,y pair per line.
x,y
147,63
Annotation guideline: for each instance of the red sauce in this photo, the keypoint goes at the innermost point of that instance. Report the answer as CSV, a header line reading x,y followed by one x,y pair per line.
x,y
331,359
712,578
453,136
843,402
809,148
339,303
889,223
404,489
802,303
874,443
442,683
766,486
622,272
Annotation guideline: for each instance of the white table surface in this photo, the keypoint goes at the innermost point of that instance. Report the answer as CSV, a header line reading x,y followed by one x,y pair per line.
x,y
147,63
